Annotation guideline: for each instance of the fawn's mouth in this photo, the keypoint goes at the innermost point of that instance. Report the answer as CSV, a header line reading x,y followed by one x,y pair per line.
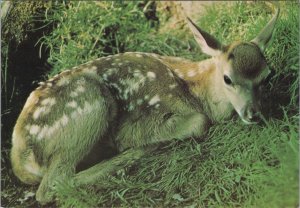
x,y
250,116
248,122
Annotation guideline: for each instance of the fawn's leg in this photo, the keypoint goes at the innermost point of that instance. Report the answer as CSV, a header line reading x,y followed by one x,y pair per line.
x,y
161,127
174,127
99,171
85,126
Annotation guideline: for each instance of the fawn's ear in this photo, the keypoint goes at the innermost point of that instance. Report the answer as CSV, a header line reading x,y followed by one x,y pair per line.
x,y
265,34
208,44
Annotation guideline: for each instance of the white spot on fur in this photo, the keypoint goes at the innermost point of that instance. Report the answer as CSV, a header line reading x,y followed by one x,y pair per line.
x,y
38,112
34,129
33,170
45,108
104,76
131,107
170,73
80,111
87,108
115,86
43,132
80,81
172,86
80,89
154,100
91,70
132,85
120,64
139,101
49,131
72,104
64,120
111,71
125,95
151,75
49,101
73,94
63,81
137,72
53,129
74,115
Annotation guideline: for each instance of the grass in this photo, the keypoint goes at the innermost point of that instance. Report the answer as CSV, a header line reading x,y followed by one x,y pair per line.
x,y
236,165
73,42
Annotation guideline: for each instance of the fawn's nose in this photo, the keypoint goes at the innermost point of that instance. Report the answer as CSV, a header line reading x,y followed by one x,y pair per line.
x,y
250,114
253,114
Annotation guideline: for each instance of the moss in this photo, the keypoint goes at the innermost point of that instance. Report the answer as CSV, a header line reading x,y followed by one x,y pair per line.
x,y
20,19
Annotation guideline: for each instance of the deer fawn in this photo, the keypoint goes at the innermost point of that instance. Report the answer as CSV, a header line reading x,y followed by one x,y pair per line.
x,y
128,102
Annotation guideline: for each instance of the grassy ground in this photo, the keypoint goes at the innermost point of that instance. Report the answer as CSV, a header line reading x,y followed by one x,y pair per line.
x,y
236,165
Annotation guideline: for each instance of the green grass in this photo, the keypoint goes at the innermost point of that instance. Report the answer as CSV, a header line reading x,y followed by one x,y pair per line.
x,y
116,27
236,165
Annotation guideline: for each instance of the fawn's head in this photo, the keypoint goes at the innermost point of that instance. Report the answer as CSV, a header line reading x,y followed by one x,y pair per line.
x,y
241,67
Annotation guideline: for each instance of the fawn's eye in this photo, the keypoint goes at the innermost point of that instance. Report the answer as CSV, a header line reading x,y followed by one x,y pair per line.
x,y
227,80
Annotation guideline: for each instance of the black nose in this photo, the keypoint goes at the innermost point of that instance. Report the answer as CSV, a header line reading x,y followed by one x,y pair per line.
x,y
252,114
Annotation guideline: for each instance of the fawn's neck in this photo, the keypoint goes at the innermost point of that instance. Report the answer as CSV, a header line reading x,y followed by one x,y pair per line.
x,y
205,82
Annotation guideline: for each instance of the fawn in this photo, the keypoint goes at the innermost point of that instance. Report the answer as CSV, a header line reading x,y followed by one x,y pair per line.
x,y
127,102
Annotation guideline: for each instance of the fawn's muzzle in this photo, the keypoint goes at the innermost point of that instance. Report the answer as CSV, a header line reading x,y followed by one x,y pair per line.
x,y
250,114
